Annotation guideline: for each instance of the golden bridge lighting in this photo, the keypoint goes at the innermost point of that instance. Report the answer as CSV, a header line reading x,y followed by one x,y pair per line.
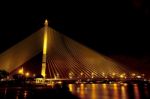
x,y
63,55
92,75
59,82
43,71
45,43
70,75
81,73
121,76
103,74
66,63
113,74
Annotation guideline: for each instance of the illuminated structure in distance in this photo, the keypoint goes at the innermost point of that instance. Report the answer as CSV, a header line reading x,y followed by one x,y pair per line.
x,y
62,57
43,71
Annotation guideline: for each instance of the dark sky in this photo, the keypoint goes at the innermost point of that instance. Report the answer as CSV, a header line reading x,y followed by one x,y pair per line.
x,y
110,27
115,27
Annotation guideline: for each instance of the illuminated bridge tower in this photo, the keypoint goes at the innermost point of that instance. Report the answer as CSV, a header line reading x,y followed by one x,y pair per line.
x,y
43,71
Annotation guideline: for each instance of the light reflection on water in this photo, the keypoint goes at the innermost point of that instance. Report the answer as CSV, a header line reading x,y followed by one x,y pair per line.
x,y
94,96
86,91
115,92
105,91
109,91
136,91
124,93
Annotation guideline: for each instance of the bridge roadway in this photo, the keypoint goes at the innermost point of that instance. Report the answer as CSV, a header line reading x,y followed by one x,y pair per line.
x,y
96,80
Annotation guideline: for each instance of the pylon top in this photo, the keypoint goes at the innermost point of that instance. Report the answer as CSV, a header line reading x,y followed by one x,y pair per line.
x,y
46,22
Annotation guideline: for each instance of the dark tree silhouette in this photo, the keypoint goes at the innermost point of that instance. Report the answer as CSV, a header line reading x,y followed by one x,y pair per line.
x,y
3,74
18,77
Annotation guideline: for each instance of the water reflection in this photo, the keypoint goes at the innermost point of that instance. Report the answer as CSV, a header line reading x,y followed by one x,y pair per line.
x,y
136,91
70,87
146,91
17,95
110,91
115,91
84,91
124,93
25,94
105,91
94,94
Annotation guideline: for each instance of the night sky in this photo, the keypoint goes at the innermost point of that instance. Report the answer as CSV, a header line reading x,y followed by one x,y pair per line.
x,y
117,28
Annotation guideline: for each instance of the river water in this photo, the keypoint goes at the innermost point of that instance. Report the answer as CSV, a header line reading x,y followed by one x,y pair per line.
x,y
110,91
83,91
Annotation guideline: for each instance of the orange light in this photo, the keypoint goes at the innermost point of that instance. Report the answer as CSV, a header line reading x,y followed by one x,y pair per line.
x,y
121,76
70,87
27,74
113,74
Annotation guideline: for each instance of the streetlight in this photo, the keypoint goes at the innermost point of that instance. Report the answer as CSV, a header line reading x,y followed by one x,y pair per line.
x,y
92,75
34,75
133,75
27,74
70,75
81,73
121,76
20,71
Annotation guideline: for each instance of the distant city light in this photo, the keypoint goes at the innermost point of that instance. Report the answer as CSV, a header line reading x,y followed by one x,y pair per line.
x,y
20,71
27,74
138,76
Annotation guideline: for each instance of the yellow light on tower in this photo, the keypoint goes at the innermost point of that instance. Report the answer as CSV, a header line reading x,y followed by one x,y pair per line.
x,y
45,43
46,22
43,71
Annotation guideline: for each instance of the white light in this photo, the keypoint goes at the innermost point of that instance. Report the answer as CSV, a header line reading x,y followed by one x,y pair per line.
x,y
138,76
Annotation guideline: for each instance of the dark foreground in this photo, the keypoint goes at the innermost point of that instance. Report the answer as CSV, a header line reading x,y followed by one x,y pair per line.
x,y
74,91
57,92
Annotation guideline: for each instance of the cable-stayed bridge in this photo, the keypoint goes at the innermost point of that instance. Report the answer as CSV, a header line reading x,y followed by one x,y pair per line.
x,y
63,57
